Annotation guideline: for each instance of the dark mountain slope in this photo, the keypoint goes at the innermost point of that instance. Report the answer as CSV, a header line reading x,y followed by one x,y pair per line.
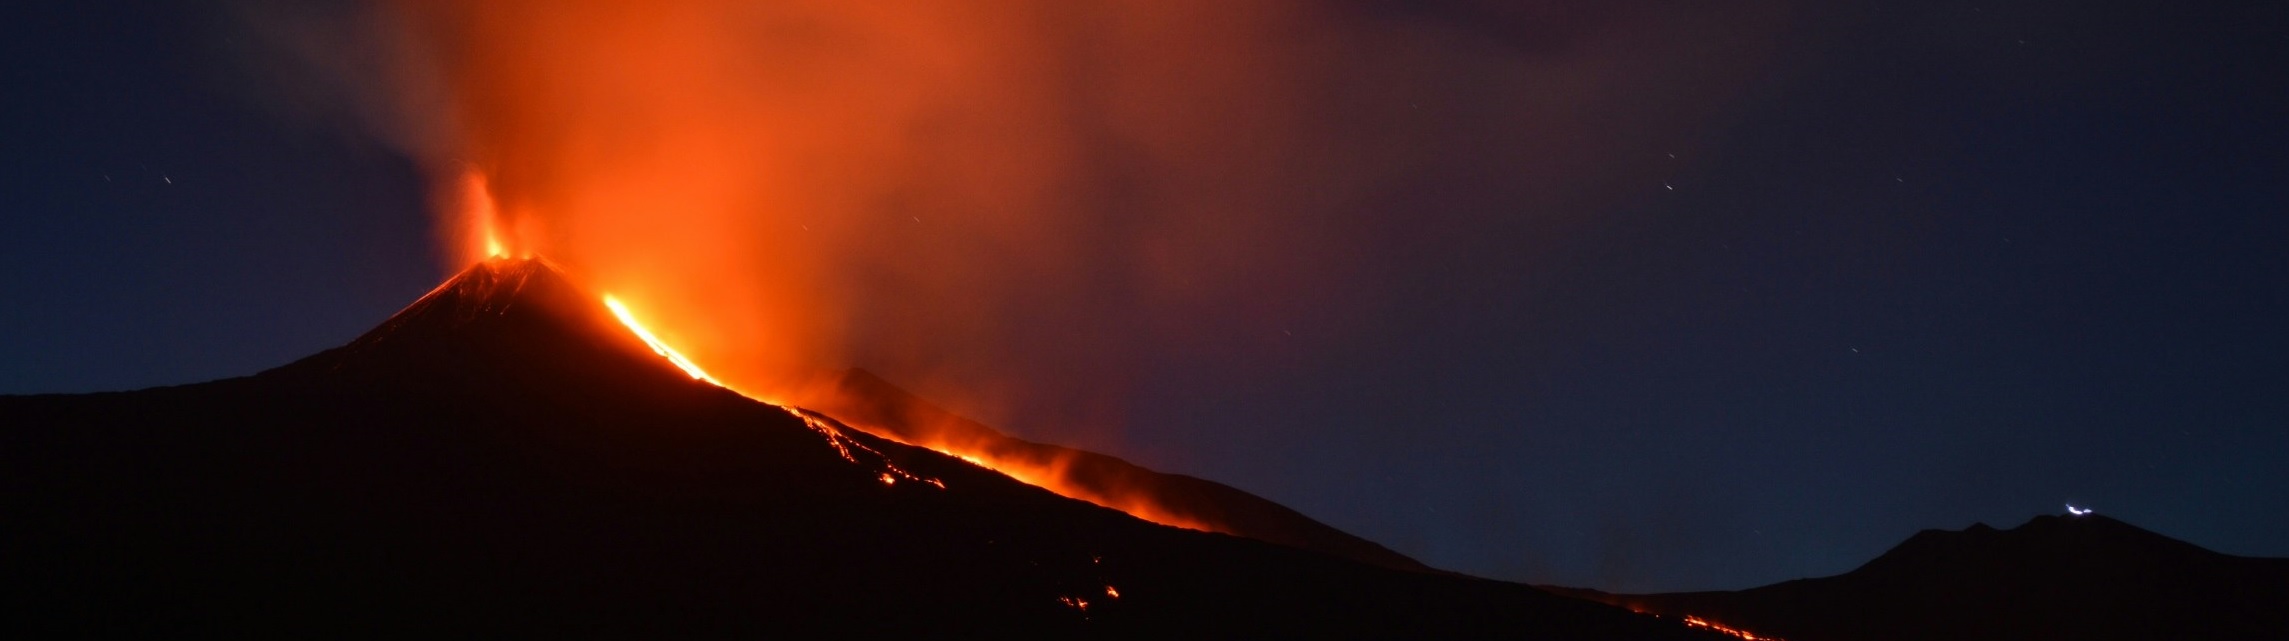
x,y
502,459
2056,577
867,402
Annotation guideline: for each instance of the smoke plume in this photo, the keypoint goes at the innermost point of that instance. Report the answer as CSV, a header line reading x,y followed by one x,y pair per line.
x,y
1015,206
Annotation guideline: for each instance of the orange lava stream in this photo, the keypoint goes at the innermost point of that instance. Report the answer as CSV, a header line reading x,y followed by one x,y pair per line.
x,y
843,445
1706,624
889,473
1049,475
658,347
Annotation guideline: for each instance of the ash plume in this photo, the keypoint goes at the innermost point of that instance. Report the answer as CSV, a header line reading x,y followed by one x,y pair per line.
x,y
1020,208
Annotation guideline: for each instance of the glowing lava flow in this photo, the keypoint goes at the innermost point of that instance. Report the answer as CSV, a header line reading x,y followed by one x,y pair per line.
x,y
1706,624
1048,475
658,347
1051,475
843,444
1691,621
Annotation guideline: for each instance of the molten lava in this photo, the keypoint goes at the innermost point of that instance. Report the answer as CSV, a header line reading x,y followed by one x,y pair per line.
x,y
850,449
1049,473
780,188
1690,621
660,347
1706,624
786,187
1052,473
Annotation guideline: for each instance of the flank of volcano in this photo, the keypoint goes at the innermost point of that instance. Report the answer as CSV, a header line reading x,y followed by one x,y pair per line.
x,y
511,455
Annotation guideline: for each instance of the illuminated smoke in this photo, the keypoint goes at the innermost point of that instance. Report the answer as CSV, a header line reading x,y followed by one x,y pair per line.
x,y
1014,206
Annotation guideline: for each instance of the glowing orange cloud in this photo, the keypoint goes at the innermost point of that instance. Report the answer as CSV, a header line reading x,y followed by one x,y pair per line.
x,y
1015,205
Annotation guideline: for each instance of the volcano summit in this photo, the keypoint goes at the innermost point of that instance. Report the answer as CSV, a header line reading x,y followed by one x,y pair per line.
x,y
503,457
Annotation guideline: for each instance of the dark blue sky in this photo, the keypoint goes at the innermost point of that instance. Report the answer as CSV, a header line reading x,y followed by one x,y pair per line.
x,y
1938,263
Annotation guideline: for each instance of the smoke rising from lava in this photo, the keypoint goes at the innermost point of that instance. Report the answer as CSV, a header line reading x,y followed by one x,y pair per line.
x,y
1022,207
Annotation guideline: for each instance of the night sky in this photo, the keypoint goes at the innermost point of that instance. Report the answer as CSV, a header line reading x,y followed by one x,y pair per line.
x,y
1924,264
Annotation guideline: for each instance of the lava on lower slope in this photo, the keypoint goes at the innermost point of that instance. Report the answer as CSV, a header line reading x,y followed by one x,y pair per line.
x,y
865,401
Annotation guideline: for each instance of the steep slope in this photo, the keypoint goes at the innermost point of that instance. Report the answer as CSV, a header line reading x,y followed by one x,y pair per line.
x,y
2055,577
867,402
501,459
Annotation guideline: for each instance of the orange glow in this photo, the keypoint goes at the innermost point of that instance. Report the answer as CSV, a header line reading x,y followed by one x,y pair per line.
x,y
964,192
851,449
1047,473
1706,624
1050,474
1102,481
479,215
1026,467
658,347
1689,620
786,187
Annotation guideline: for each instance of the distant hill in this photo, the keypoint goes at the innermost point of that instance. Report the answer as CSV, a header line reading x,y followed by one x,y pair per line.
x,y
2055,577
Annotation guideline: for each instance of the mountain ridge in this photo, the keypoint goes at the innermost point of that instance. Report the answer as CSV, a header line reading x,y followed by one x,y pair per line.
x,y
868,402
521,465
2085,576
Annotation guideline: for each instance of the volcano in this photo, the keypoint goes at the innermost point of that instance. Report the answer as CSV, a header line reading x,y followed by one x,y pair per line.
x,y
503,457
2081,576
